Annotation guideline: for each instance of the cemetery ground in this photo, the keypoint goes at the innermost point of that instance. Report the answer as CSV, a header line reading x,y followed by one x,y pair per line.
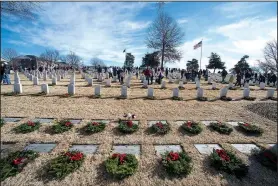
x,y
30,105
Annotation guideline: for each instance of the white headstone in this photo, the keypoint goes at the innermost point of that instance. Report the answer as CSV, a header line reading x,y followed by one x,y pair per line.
x,y
72,79
90,81
262,85
145,85
108,82
17,88
171,80
257,82
209,80
184,79
44,88
200,92
271,84
71,89
181,84
35,81
97,90
270,93
223,92
128,83
197,84
150,92
124,91
163,84
16,78
246,92
54,81
213,85
31,78
231,85
175,92
246,85
114,79
58,78
50,75
45,76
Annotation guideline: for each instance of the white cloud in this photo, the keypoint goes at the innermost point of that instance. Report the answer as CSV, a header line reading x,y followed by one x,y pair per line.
x,y
245,37
240,9
183,20
98,30
20,43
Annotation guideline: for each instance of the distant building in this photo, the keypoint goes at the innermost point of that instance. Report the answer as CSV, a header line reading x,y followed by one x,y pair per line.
x,y
31,61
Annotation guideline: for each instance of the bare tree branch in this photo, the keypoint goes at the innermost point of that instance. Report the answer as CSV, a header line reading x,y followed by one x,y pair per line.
x,y
9,53
73,59
25,9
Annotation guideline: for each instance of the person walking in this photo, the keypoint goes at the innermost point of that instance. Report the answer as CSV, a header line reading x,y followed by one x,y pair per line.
x,y
224,74
147,73
238,79
2,71
6,76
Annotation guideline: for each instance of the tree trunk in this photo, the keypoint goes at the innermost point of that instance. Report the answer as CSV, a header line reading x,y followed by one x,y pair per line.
x,y
162,56
214,70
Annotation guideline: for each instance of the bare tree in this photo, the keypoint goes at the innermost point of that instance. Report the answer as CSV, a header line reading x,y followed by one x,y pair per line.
x,y
96,61
25,9
73,59
50,55
270,55
9,54
165,35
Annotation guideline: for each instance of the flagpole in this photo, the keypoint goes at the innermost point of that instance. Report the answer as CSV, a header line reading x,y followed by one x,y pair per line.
x,y
201,55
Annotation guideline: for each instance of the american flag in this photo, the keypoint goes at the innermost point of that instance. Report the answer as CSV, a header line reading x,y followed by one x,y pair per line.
x,y
198,45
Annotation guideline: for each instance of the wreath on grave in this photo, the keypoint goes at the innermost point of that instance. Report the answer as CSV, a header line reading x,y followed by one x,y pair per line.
x,y
27,127
177,163
250,129
225,98
266,157
94,127
62,126
127,126
249,98
121,166
2,122
160,128
227,161
222,128
15,162
65,164
192,127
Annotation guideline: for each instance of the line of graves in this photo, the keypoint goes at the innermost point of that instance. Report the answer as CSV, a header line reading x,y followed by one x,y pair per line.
x,y
150,92
134,149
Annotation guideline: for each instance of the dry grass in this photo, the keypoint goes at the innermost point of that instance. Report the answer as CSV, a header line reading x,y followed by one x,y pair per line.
x,y
108,107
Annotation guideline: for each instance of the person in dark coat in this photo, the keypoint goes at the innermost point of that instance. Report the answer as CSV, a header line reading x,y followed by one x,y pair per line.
x,y
238,79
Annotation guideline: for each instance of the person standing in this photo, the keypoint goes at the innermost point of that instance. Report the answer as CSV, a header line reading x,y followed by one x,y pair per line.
x,y
6,78
2,71
238,79
224,74
147,74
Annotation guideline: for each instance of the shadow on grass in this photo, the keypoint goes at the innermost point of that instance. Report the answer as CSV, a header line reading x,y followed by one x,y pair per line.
x,y
240,130
103,178
185,133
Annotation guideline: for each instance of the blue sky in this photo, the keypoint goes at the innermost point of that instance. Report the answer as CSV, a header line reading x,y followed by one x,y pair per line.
x,y
104,29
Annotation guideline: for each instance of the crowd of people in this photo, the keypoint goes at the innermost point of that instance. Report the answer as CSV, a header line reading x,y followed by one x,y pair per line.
x,y
152,74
